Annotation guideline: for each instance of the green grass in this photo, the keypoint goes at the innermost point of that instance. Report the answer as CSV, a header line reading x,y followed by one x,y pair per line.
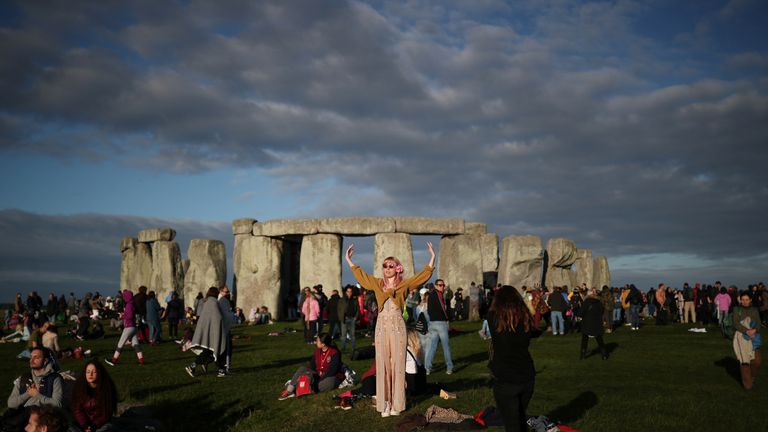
x,y
660,379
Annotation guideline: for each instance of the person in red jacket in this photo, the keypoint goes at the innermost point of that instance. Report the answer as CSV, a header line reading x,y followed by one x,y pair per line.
x,y
324,369
94,398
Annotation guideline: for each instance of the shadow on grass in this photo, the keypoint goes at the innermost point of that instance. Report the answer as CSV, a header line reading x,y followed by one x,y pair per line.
x,y
575,409
609,349
204,409
462,363
275,364
731,366
144,393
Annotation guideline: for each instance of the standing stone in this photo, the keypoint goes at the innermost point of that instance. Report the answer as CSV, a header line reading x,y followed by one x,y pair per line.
x,y
521,261
207,267
135,264
167,269
602,275
320,261
461,261
561,254
257,271
156,234
584,267
489,243
397,245
474,303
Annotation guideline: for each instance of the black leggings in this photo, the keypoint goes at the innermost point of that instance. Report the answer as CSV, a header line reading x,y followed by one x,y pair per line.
x,y
512,402
585,341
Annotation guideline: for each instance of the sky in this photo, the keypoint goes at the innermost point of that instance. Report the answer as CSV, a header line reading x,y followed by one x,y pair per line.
x,y
638,129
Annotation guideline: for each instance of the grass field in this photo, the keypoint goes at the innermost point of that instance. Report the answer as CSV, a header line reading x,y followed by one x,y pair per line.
x,y
657,379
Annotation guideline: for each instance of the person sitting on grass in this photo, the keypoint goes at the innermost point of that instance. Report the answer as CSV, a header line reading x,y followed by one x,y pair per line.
x,y
42,385
324,369
94,399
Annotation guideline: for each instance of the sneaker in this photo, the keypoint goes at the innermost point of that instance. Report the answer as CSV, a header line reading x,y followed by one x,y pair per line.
x,y
387,410
110,362
346,403
190,371
141,361
429,371
286,395
394,412
204,368
221,373
449,372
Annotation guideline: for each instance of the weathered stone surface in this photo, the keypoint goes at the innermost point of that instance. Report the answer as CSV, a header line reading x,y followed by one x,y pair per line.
x,y
256,268
475,228
521,263
320,261
207,267
167,269
561,254
135,266
156,234
128,243
397,245
356,225
489,244
422,225
243,226
282,227
602,275
584,267
461,261
474,303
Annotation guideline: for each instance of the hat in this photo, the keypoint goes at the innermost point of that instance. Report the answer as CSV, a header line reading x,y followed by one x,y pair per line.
x,y
423,291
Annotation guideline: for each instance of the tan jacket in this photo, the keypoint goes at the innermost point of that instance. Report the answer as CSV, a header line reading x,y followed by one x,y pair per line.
x,y
397,295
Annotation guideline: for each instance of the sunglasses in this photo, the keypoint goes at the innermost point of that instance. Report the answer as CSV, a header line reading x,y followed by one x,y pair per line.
x,y
440,285
390,266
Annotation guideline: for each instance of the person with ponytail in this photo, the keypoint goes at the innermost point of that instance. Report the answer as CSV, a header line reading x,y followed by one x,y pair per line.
x,y
511,365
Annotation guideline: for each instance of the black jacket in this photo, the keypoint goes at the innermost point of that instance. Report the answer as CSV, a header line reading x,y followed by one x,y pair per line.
x,y
435,309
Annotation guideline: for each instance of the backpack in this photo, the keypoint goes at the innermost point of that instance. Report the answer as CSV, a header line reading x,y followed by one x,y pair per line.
x,y
304,385
422,326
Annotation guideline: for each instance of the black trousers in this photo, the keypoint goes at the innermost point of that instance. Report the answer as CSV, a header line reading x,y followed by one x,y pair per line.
x,y
585,341
512,401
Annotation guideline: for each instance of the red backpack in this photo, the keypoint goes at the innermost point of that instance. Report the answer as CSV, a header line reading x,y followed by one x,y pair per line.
x,y
303,386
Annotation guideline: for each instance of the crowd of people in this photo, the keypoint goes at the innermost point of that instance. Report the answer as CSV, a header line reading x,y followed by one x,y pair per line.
x,y
408,318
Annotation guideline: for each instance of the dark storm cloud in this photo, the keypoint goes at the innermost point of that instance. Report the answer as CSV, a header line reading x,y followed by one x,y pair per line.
x,y
550,118
79,252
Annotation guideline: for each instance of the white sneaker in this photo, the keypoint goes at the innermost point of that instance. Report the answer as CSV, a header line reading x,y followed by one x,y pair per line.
x,y
387,410
394,413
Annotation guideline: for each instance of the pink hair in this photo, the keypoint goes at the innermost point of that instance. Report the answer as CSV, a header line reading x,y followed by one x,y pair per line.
x,y
398,271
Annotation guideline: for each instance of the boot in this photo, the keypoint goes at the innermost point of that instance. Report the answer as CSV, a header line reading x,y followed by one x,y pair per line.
x,y
583,355
746,376
754,365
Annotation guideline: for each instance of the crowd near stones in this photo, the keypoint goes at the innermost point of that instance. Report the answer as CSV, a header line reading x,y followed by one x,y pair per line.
x,y
291,270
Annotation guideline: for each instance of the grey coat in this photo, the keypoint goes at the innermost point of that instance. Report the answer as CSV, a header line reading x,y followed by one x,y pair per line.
x,y
211,331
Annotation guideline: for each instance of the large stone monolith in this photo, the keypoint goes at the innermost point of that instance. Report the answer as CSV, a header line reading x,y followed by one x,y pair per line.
x,y
561,254
397,245
207,268
461,261
320,261
283,227
602,275
135,264
584,267
356,226
428,226
521,263
167,269
474,303
256,267
156,234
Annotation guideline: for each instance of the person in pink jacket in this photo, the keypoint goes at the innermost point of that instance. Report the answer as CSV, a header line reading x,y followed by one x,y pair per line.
x,y
723,303
311,311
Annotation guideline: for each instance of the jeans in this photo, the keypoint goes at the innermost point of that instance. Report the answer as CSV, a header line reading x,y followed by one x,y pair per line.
x,y
558,325
438,329
616,314
634,316
334,328
348,329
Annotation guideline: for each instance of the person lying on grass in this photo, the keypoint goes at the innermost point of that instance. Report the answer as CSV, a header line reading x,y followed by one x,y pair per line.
x,y
324,369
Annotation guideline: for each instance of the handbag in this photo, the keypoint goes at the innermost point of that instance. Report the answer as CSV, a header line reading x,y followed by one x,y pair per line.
x,y
422,326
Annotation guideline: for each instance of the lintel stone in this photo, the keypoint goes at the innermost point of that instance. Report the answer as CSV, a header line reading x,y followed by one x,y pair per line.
x,y
243,226
282,227
156,234
352,226
429,226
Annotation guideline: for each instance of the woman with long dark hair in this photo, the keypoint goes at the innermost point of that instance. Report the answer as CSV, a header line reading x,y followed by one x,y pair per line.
x,y
514,375
94,399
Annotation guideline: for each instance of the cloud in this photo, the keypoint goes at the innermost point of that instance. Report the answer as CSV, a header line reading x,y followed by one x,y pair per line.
x,y
550,118
81,252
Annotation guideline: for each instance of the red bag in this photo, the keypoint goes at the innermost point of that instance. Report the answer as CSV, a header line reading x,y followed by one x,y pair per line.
x,y
303,386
